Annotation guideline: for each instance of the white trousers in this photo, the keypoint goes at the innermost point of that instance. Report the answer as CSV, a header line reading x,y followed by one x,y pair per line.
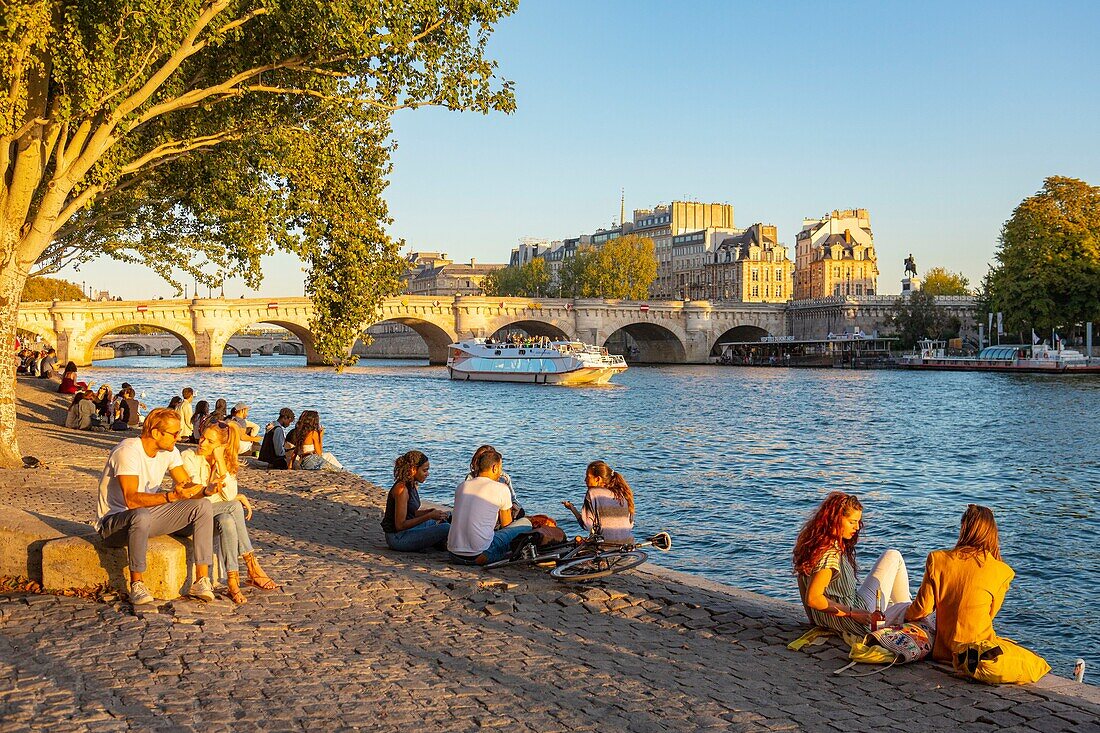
x,y
886,587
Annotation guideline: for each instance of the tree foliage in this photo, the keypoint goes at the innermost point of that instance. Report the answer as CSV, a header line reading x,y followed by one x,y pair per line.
x,y
941,281
916,316
197,136
529,280
50,288
623,267
1046,273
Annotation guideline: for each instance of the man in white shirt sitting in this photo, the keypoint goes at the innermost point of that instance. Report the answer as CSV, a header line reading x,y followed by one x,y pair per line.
x,y
483,503
132,508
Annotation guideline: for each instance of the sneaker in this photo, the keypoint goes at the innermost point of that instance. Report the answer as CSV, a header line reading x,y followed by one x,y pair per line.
x,y
202,590
140,595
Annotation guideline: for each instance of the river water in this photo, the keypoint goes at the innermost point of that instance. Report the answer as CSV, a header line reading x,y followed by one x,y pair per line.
x,y
731,460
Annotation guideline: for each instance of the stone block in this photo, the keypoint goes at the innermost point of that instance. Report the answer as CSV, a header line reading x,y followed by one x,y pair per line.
x,y
80,562
22,536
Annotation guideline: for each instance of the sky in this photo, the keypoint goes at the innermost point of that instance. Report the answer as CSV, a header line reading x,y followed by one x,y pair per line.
x,y
939,118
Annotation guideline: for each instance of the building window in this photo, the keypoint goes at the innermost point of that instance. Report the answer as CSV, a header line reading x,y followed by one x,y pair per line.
x,y
779,291
859,289
755,275
756,291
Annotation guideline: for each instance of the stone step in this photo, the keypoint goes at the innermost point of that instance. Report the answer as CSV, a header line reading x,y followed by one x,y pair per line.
x,y
22,536
80,562
61,554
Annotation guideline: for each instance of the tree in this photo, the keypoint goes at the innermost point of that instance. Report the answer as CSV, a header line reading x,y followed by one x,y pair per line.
x,y
625,267
530,280
1047,266
941,281
50,288
575,273
201,135
916,316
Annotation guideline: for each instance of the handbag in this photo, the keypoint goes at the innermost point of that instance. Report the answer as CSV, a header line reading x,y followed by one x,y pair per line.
x,y
998,661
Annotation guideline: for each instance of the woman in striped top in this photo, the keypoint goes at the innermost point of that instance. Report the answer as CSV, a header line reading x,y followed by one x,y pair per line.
x,y
608,504
825,563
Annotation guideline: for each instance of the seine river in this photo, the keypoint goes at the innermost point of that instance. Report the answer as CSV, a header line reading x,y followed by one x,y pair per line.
x,y
731,460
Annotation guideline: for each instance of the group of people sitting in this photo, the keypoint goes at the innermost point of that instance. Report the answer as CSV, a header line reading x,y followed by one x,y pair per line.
x,y
102,409
36,362
204,503
961,592
486,516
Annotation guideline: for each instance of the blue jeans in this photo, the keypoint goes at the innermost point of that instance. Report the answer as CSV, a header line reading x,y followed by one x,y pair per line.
x,y
232,533
423,536
502,539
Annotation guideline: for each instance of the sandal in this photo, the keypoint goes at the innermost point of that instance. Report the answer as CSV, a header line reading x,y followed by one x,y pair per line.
x,y
234,587
256,575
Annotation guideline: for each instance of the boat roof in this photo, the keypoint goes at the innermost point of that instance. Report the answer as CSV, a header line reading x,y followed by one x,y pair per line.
x,y
1000,352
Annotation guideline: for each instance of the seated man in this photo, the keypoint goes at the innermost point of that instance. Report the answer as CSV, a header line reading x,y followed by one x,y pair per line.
x,y
273,450
250,431
481,504
132,508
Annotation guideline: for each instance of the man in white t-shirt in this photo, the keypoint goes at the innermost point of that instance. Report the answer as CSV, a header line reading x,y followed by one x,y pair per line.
x,y
250,437
482,504
132,508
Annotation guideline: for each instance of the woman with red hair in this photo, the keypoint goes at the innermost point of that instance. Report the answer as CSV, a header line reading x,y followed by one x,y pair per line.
x,y
825,563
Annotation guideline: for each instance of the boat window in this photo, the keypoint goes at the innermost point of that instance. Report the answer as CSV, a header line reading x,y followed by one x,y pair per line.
x,y
522,351
496,353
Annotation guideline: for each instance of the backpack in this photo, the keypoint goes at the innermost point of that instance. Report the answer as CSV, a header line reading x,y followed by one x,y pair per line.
x,y
267,448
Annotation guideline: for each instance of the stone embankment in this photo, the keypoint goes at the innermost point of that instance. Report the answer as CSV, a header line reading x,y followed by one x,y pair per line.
x,y
363,638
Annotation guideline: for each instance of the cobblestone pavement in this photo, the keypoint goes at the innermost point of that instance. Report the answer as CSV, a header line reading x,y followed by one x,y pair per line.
x,y
360,637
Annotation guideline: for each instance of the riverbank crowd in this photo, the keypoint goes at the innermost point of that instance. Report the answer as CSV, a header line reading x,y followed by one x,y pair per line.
x,y
950,619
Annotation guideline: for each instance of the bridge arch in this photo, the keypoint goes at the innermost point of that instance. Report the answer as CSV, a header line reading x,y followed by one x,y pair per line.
x,y
46,334
436,337
648,343
551,328
298,326
95,334
743,332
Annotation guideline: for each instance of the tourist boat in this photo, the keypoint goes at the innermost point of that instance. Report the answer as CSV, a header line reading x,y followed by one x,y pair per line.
x,y
1039,358
547,362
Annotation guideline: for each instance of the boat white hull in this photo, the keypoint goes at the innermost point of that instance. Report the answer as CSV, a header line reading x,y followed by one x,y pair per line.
x,y
583,375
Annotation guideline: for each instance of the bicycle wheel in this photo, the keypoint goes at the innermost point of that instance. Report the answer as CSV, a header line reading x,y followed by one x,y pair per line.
x,y
598,566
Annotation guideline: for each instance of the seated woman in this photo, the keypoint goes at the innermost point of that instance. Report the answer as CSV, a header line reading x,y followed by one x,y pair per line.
x,y
965,587
825,563
81,411
608,504
68,380
214,464
517,510
408,526
308,447
104,398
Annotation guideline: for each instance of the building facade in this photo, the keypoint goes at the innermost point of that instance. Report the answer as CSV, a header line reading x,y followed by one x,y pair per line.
x,y
835,256
751,267
664,222
692,251
450,279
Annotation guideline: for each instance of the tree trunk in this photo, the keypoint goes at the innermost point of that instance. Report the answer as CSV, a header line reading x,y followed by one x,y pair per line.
x,y
12,279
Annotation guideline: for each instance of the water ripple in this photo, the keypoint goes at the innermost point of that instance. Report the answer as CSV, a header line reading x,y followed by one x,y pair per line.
x,y
732,460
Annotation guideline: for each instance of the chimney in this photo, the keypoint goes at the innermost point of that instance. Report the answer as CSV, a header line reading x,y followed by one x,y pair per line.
x,y
473,262
847,236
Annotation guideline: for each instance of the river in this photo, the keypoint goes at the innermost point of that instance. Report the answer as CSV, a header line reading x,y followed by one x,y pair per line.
x,y
731,460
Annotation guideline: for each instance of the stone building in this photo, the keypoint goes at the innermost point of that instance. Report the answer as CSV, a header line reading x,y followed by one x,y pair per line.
x,y
665,222
691,252
751,267
835,256
450,279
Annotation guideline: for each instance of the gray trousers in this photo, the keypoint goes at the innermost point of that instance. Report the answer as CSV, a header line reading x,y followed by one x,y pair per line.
x,y
134,527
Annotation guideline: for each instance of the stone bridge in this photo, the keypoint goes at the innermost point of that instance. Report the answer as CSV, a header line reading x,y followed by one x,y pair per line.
x,y
156,344
653,332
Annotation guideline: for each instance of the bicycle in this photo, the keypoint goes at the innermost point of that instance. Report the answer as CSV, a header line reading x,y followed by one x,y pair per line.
x,y
586,559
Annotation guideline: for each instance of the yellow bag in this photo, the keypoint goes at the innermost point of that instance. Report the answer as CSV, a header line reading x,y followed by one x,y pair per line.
x,y
1000,661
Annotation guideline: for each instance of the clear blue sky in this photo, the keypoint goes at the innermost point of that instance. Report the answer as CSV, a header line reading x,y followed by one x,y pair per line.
x,y
937,117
